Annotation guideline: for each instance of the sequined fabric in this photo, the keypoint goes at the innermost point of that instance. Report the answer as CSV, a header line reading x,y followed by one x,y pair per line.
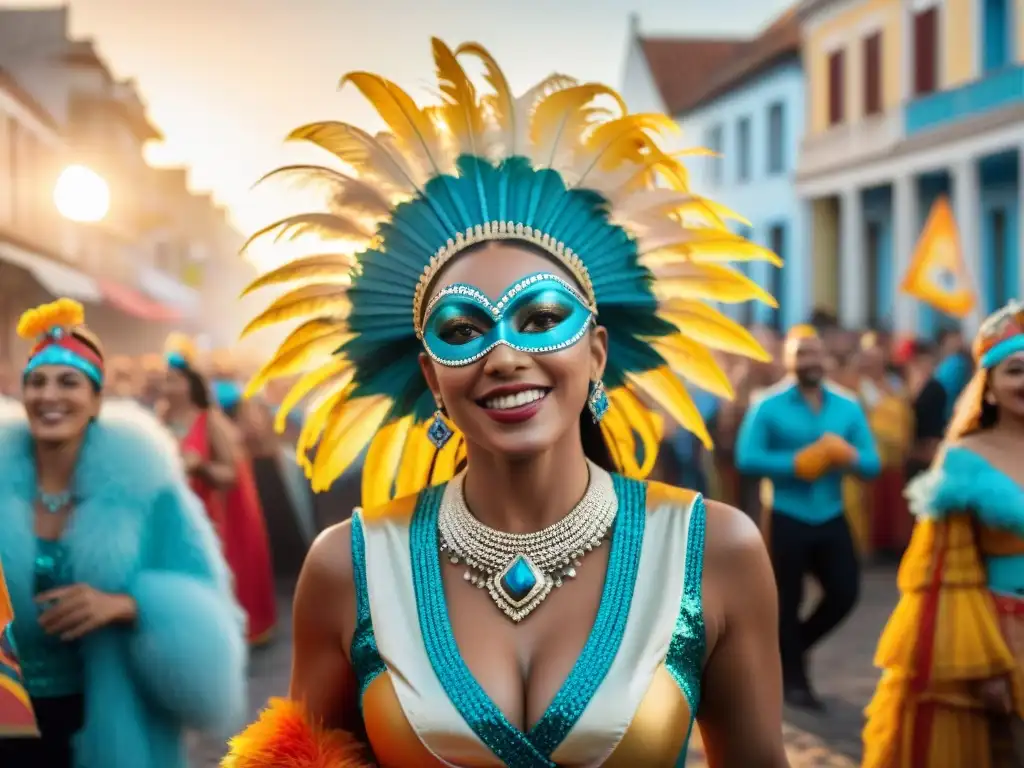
x,y
51,667
620,706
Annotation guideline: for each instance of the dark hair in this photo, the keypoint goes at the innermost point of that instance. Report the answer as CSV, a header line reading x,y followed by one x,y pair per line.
x,y
989,415
198,390
595,447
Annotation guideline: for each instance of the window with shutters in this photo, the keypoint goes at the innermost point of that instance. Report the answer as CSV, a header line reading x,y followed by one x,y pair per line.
x,y
743,149
836,87
776,138
873,74
714,142
777,275
926,51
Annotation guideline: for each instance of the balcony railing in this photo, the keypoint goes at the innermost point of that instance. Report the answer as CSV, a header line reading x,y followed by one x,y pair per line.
x,y
850,143
995,91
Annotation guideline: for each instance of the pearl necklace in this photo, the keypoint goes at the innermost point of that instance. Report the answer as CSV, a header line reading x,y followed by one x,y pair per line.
x,y
519,570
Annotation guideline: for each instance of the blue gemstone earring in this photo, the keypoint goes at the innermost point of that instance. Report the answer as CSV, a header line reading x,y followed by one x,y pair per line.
x,y
439,433
597,401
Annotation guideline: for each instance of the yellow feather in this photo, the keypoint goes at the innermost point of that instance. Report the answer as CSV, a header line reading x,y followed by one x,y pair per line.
x,y
706,325
415,134
461,111
524,109
328,226
417,458
367,155
348,432
642,423
561,118
295,357
322,300
707,245
618,436
446,461
332,267
689,359
337,368
711,282
382,461
348,195
665,388
502,103
316,419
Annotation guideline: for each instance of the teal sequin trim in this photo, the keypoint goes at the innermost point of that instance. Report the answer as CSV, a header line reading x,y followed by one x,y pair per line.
x,y
513,747
609,628
687,648
366,660
50,666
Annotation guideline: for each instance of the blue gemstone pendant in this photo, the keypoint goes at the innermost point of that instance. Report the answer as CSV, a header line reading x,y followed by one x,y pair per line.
x,y
519,588
438,432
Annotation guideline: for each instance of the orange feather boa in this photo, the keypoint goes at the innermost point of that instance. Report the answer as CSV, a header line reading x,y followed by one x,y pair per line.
x,y
284,737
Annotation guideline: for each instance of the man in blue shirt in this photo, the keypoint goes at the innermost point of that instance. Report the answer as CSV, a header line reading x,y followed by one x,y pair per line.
x,y
803,435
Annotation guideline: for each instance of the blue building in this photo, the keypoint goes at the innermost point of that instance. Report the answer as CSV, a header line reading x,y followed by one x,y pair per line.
x,y
909,101
744,99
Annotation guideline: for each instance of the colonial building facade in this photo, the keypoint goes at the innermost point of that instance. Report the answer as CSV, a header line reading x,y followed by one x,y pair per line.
x,y
910,100
745,100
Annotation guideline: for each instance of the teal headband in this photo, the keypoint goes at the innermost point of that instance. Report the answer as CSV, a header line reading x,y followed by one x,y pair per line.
x,y
540,313
55,354
1001,351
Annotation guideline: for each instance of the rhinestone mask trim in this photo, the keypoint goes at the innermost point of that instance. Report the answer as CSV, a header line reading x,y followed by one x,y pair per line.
x,y
500,319
520,570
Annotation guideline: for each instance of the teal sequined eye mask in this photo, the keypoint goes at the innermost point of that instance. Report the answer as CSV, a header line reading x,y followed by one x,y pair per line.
x,y
538,314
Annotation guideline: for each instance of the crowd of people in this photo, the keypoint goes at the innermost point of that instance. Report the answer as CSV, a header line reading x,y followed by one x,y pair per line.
x,y
548,565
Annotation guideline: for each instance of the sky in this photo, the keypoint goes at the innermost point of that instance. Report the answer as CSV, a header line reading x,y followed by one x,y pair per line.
x,y
225,80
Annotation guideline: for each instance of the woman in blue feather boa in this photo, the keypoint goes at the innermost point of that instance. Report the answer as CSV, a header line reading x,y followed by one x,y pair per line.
x,y
124,615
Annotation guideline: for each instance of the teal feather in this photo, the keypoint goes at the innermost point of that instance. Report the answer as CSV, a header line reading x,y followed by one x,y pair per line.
x,y
385,350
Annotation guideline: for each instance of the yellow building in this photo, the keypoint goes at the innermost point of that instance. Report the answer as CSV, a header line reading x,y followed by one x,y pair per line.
x,y
909,100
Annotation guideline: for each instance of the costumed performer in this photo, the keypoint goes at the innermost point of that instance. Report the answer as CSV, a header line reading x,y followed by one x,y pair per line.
x,y
124,621
952,690
246,544
187,408
512,593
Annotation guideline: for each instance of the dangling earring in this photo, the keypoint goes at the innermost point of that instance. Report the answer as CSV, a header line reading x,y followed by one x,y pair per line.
x,y
597,400
439,433
990,398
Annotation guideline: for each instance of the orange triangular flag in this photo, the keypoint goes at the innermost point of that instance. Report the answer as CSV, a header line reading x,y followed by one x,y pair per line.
x,y
937,274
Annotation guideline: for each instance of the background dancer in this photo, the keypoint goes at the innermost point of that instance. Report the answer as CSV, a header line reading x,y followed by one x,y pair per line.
x,y
803,435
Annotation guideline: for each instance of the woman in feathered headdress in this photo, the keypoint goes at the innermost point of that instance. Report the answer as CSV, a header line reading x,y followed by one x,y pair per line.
x,y
512,592
124,621
953,651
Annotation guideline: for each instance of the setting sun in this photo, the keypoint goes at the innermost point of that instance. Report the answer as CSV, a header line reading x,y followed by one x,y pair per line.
x,y
81,194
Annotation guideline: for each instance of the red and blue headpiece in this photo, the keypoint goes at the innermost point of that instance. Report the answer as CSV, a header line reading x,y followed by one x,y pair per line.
x,y
54,328
1001,336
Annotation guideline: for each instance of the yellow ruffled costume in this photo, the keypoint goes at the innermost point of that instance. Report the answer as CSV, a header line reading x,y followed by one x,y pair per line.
x,y
942,641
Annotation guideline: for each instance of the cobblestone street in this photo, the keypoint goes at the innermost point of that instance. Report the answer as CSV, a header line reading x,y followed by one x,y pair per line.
x,y
842,673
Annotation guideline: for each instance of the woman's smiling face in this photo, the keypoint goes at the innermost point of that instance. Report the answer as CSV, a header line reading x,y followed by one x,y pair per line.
x,y
513,375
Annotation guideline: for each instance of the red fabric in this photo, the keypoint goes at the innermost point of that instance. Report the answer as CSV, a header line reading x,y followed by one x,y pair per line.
x,y
891,521
133,303
198,441
247,550
1009,606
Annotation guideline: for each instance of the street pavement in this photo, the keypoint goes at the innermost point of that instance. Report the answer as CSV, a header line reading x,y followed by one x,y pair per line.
x,y
841,669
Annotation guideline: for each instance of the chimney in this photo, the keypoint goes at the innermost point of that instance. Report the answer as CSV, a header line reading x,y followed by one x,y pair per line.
x,y
634,25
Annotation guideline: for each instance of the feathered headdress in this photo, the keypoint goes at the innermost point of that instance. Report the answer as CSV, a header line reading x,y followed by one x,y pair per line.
x,y
180,351
1000,336
59,338
563,167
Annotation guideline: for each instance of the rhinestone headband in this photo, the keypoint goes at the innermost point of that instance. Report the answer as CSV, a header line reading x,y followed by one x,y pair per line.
x,y
499,230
